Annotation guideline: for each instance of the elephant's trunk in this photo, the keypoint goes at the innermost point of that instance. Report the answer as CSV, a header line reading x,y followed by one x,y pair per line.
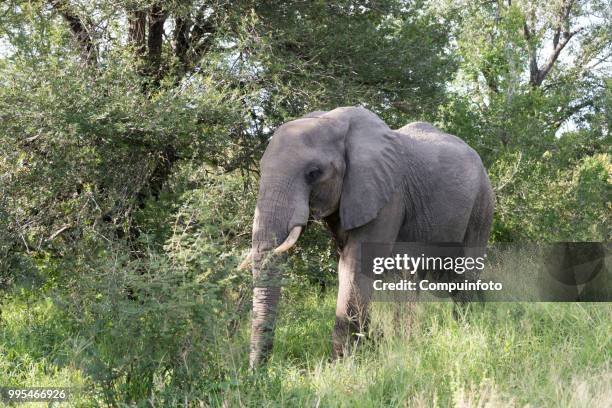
x,y
274,216
265,302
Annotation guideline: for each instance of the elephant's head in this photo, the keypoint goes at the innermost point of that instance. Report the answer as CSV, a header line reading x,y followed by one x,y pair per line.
x,y
345,160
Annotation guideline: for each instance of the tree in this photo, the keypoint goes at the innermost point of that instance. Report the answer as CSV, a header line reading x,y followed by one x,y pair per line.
x,y
529,70
119,121
545,61
142,85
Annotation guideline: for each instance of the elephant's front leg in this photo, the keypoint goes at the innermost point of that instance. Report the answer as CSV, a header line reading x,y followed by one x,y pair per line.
x,y
355,288
352,303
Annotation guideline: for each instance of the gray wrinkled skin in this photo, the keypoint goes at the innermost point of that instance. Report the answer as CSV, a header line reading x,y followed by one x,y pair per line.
x,y
370,184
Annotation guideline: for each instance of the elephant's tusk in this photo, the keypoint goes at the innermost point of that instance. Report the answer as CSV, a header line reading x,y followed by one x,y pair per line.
x,y
247,261
290,241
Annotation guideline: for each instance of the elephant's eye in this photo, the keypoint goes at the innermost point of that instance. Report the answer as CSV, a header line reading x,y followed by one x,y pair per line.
x,y
313,174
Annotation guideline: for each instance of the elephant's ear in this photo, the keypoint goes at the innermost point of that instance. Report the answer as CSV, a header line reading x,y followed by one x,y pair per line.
x,y
373,169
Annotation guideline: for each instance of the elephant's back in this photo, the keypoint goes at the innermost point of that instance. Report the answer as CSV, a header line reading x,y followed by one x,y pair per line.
x,y
426,132
432,142
444,157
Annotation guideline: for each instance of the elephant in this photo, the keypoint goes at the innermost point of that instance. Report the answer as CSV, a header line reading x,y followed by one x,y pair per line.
x,y
368,183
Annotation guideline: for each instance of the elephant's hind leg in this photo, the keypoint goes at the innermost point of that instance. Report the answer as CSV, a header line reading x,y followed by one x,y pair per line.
x,y
475,243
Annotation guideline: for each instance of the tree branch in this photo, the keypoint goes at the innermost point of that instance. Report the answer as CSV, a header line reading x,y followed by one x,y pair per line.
x,y
59,231
201,26
552,58
79,30
570,111
561,38
204,28
533,62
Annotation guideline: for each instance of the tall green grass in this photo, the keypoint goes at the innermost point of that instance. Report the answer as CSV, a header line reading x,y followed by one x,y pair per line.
x,y
417,355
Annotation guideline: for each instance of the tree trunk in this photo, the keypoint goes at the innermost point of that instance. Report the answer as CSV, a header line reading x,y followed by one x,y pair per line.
x,y
157,18
137,21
